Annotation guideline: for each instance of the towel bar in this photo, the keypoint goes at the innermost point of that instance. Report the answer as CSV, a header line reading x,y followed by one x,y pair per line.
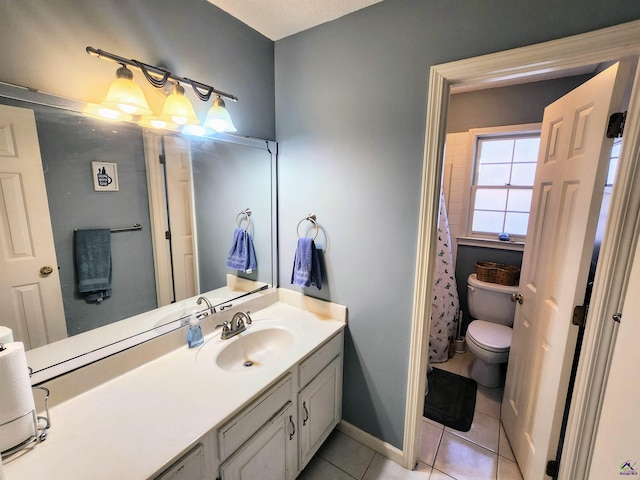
x,y
136,226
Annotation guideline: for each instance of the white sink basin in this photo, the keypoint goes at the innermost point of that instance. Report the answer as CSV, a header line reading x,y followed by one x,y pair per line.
x,y
251,350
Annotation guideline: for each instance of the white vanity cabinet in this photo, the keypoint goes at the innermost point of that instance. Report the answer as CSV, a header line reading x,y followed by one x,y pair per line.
x,y
276,436
261,441
270,454
194,465
320,399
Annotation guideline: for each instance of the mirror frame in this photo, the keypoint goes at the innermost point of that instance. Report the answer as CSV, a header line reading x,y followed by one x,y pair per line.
x,y
76,357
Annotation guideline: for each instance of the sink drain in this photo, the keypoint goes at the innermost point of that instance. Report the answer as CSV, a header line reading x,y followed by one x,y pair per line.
x,y
248,363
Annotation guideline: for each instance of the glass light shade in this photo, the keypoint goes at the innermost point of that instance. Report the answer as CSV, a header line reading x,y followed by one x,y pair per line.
x,y
178,109
151,121
97,110
218,117
126,95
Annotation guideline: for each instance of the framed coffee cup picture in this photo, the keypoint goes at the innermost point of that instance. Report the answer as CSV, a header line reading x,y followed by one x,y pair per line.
x,y
105,176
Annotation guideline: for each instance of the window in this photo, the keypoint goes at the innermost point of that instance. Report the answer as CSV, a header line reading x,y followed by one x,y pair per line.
x,y
504,169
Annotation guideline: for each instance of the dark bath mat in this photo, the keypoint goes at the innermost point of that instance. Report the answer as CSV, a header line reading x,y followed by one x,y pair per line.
x,y
451,399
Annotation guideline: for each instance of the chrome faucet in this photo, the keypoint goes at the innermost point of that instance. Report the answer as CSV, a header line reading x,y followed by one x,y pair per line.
x,y
238,324
211,308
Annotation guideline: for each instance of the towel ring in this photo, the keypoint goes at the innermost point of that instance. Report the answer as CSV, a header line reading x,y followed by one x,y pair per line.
x,y
243,216
310,218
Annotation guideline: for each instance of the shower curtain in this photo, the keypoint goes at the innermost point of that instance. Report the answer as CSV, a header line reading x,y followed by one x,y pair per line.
x,y
445,304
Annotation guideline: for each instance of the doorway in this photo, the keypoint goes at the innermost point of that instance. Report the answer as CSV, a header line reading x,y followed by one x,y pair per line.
x,y
557,56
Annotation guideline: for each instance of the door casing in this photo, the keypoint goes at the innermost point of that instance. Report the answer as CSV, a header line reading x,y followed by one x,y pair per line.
x,y
502,68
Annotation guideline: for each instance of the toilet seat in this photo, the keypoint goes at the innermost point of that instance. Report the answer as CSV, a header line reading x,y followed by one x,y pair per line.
x,y
490,336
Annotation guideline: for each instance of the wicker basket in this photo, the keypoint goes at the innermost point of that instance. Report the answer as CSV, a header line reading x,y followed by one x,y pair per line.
x,y
486,271
507,274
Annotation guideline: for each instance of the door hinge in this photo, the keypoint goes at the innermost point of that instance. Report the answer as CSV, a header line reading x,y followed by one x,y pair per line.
x,y
616,124
617,317
580,315
552,468
167,235
162,159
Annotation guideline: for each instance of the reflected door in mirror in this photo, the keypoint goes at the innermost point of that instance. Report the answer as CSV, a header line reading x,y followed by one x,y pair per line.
x,y
28,290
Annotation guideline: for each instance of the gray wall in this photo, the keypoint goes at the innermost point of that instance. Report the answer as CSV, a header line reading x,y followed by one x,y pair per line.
x,y
350,109
511,105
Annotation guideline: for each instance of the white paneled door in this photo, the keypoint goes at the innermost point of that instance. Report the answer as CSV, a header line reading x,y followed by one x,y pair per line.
x,y
570,178
29,280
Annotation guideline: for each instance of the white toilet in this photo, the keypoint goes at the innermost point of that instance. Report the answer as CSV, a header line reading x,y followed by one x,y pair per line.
x,y
489,337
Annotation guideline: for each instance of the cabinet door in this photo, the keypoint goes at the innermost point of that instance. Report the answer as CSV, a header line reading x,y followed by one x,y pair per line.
x,y
189,467
269,455
319,409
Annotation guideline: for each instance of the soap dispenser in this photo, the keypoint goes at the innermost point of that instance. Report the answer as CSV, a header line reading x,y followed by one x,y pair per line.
x,y
194,338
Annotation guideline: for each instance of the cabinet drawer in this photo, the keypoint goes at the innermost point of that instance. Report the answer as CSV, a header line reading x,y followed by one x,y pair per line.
x,y
311,366
240,428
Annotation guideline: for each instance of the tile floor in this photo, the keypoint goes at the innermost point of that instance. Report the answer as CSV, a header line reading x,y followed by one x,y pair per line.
x,y
482,453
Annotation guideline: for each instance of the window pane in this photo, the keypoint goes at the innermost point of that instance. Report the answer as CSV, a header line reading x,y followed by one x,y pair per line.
x,y
491,199
493,174
495,151
523,174
519,200
487,221
516,223
526,150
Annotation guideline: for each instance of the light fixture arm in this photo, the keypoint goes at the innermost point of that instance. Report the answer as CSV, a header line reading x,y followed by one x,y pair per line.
x,y
158,76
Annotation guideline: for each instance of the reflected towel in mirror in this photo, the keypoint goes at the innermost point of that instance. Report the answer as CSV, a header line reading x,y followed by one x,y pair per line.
x,y
93,263
242,255
306,265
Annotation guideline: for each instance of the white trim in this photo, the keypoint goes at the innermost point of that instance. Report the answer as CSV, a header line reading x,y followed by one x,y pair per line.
x,y
604,45
490,243
383,448
158,217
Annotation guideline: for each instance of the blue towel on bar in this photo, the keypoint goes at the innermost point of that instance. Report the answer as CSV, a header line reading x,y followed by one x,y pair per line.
x,y
242,255
93,263
306,265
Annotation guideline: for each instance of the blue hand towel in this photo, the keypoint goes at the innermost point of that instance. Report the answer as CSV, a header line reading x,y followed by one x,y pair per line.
x,y
242,255
93,263
306,265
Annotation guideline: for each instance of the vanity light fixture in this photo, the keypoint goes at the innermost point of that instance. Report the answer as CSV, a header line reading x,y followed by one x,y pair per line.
x,y
218,117
177,111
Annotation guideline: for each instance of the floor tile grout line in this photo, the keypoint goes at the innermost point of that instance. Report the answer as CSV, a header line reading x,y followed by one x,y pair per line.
x,y
368,466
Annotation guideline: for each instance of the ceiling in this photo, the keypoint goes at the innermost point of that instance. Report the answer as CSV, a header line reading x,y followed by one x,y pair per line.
x,y
276,19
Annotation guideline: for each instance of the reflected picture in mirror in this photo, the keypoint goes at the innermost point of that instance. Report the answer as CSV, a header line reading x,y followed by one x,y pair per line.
x,y
185,193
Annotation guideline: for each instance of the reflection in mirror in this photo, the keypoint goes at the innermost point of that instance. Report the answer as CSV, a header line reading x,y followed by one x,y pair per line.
x,y
48,159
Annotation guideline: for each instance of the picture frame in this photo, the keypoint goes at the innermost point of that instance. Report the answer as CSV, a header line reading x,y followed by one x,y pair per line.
x,y
105,176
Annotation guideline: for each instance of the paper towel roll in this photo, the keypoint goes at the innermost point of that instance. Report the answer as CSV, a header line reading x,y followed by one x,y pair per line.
x,y
16,397
6,335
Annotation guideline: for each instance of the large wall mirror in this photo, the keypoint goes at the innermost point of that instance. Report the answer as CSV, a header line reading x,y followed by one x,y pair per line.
x,y
171,202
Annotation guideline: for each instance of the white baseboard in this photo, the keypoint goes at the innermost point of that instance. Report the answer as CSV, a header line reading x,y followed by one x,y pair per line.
x,y
383,448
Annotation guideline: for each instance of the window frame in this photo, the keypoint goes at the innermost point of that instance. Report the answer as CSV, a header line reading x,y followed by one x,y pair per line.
x,y
475,135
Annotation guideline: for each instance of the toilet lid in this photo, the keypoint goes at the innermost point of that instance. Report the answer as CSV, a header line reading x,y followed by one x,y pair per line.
x,y
491,336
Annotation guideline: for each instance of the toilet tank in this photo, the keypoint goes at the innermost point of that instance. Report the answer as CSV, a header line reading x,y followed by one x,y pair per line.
x,y
490,301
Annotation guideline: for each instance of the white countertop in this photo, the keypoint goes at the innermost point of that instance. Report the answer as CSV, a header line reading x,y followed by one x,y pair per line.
x,y
131,426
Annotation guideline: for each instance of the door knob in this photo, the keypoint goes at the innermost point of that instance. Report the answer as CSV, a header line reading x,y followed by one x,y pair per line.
x,y
516,297
46,270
